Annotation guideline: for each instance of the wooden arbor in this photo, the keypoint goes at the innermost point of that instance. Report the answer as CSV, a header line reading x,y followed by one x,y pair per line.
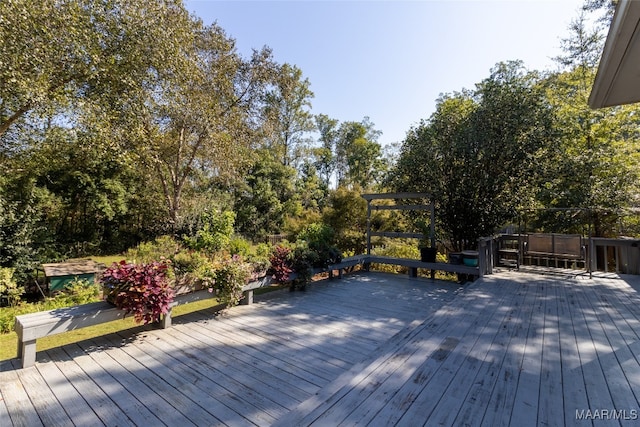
x,y
399,206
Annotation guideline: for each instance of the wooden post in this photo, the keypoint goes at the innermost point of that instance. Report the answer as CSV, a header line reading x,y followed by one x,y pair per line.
x,y
368,227
27,352
247,298
165,320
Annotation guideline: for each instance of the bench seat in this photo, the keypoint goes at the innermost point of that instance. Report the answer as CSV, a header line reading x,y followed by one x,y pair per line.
x,y
413,265
32,326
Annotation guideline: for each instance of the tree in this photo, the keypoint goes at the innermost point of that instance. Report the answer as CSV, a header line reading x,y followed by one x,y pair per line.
x,y
347,215
267,197
358,154
287,113
56,53
479,153
325,160
201,125
595,161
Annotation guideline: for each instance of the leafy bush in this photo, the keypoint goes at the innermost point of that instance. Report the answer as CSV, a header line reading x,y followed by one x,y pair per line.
x,y
189,261
78,291
9,289
281,264
304,259
141,289
215,232
239,246
164,247
230,277
397,249
319,239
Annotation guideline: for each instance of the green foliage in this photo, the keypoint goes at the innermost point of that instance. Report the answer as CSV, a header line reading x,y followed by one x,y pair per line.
x,y
358,155
163,247
266,198
215,232
239,246
319,239
78,291
507,122
347,216
190,262
398,249
287,113
303,261
230,277
9,289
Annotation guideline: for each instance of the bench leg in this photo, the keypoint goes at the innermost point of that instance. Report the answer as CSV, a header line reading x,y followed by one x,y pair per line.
x,y
247,298
165,320
413,272
27,352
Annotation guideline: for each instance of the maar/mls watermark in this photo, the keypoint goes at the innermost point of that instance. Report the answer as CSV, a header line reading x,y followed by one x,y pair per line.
x,y
607,414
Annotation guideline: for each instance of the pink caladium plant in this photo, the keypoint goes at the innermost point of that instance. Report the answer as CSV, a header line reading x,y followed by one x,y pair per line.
x,y
141,289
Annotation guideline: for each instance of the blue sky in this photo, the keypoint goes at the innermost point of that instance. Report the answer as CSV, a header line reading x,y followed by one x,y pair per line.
x,y
390,60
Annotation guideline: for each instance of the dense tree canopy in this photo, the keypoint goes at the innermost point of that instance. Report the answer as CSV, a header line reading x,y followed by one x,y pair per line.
x,y
124,120
479,154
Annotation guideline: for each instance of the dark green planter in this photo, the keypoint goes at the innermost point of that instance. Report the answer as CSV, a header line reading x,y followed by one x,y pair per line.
x,y
428,254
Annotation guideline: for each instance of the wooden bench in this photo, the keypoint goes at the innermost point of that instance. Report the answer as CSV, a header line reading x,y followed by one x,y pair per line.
x,y
412,264
345,263
565,247
32,326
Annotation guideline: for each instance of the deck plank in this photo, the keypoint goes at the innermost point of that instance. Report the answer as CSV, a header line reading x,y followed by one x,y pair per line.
x,y
574,390
512,348
525,406
438,377
476,401
49,409
501,399
76,407
125,401
611,351
20,411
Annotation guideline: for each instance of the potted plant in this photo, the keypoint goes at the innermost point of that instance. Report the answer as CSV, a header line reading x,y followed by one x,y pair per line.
x,y
228,280
427,252
141,289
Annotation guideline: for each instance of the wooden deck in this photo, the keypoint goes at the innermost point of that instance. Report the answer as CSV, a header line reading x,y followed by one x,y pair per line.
x,y
511,349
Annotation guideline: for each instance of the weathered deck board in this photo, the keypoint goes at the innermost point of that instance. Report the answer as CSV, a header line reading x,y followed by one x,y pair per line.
x,y
511,349
475,403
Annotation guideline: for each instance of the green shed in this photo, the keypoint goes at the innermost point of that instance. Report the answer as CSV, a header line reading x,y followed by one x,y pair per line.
x,y
58,275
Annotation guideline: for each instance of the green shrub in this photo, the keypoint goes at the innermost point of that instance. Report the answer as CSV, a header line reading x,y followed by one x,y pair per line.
x,y
319,238
397,249
239,246
230,277
78,291
9,289
189,261
215,232
164,247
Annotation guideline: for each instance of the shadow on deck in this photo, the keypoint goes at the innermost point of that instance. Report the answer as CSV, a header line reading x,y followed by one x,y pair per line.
x,y
512,348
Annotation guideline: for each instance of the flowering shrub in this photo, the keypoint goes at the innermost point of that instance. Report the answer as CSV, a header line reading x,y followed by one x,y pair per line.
x,y
281,264
141,289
